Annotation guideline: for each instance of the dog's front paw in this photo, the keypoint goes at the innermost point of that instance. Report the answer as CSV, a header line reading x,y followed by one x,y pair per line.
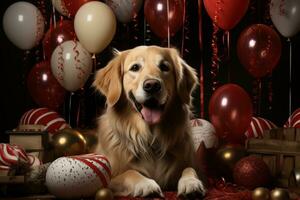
x,y
145,188
190,185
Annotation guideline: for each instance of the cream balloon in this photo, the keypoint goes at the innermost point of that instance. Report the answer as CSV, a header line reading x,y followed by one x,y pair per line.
x,y
95,26
59,5
285,15
125,10
71,65
23,24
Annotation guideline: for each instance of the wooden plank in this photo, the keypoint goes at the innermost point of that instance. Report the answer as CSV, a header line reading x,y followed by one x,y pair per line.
x,y
288,166
266,134
270,160
289,134
11,179
272,146
297,134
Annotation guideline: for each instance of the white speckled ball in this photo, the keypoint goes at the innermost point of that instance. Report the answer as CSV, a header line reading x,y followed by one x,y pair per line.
x,y
203,131
78,176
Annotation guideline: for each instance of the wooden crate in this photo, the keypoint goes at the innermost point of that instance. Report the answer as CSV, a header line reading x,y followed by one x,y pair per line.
x,y
280,149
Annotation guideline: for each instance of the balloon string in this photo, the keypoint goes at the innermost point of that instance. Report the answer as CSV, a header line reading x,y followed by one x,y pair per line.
x,y
290,81
226,41
168,13
201,64
54,17
78,114
259,97
70,107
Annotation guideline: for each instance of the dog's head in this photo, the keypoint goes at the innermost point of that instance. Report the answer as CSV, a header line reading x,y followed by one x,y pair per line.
x,y
150,78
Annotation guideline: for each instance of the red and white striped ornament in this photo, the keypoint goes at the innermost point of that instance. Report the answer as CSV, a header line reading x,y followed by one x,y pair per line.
x,y
78,176
293,120
257,126
12,155
203,131
46,117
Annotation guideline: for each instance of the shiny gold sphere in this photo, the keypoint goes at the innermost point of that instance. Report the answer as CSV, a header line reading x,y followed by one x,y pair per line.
x,y
91,139
279,194
294,179
104,194
68,142
226,158
261,194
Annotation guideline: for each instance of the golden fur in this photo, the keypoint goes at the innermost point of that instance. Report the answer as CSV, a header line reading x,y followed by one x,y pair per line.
x,y
146,158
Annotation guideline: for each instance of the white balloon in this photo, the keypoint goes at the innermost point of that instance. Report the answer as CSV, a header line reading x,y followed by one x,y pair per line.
x,y
71,65
95,26
285,15
23,24
125,9
60,6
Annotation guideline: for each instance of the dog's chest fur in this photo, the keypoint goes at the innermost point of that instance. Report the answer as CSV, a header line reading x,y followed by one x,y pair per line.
x,y
134,146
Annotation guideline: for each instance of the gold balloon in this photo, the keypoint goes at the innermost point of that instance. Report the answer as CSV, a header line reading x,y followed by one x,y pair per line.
x,y
261,194
104,194
279,194
68,142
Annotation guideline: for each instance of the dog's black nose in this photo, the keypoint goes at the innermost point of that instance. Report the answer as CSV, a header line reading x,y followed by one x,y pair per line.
x,y
152,86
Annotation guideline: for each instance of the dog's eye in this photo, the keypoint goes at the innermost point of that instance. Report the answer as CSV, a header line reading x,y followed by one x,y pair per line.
x,y
135,67
163,66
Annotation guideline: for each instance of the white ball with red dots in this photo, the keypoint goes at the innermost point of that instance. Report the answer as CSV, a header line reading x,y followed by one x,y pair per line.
x,y
78,176
203,131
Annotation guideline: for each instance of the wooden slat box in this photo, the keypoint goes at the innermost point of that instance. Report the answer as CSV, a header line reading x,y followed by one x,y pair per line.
x,y
280,149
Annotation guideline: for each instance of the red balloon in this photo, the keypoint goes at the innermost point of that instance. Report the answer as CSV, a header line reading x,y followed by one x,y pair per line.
x,y
157,16
72,6
55,36
259,49
226,13
230,111
44,88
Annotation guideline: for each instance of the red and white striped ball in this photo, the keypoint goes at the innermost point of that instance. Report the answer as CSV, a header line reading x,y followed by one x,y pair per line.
x,y
12,155
293,120
203,131
257,126
46,117
78,176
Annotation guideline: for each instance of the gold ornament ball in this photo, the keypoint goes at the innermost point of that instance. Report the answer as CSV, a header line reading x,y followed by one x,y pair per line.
x,y
261,193
68,142
104,194
279,194
294,179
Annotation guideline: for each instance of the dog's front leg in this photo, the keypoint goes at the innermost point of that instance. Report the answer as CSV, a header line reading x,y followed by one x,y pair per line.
x,y
189,183
133,183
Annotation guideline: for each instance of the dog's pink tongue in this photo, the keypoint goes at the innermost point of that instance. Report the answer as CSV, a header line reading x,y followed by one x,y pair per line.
x,y
151,116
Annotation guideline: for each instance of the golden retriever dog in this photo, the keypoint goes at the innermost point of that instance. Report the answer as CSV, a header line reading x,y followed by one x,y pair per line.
x,y
145,130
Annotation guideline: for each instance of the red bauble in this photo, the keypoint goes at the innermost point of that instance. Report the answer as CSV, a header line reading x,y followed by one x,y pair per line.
x,y
251,172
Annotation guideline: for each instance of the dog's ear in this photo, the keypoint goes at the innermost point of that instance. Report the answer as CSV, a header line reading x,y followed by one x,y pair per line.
x,y
186,77
108,80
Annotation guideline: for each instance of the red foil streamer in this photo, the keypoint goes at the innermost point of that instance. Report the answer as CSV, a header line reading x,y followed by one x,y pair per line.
x,y
201,64
214,45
